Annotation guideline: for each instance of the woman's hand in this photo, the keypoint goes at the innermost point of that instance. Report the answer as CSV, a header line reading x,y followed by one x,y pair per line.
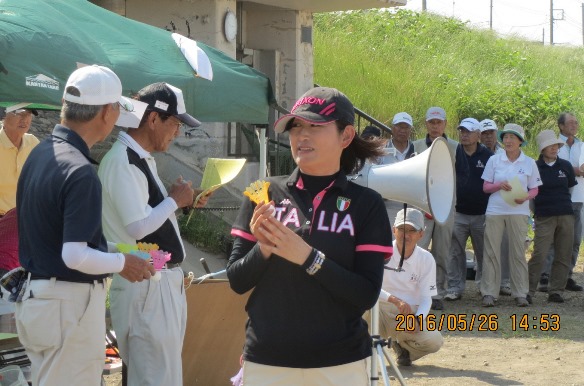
x,y
260,214
520,201
276,238
506,186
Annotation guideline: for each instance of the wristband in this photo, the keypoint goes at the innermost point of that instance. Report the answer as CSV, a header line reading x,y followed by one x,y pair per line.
x,y
316,263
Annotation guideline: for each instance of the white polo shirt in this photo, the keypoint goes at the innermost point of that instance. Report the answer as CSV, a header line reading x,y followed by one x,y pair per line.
x,y
575,156
500,169
125,190
416,284
392,154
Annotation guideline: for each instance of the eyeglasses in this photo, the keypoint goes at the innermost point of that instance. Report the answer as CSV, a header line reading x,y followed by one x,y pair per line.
x,y
179,124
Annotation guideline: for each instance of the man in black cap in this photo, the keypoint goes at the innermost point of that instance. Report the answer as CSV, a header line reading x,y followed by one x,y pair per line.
x,y
15,146
149,318
370,132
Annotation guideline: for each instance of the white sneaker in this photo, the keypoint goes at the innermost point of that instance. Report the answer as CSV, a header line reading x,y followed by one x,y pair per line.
x,y
452,296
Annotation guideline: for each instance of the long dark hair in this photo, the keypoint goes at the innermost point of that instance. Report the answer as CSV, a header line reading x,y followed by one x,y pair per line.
x,y
359,150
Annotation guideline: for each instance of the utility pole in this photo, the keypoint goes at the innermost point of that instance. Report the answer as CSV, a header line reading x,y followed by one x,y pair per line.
x,y
583,24
491,18
423,5
551,22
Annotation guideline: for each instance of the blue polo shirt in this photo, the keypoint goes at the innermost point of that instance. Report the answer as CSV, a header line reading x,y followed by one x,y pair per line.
x,y
470,197
59,200
554,197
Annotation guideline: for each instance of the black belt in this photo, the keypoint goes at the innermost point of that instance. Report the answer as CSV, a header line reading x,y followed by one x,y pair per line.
x,y
84,281
172,265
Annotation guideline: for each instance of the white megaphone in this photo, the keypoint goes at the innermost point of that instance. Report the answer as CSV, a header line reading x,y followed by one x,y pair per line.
x,y
425,181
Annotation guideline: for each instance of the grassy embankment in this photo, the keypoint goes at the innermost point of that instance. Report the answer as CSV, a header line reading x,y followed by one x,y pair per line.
x,y
404,61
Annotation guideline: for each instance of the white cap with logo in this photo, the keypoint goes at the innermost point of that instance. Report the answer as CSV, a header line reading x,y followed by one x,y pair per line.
x,y
436,113
402,118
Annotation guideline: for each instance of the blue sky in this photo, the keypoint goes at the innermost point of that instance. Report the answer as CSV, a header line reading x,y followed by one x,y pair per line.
x,y
527,18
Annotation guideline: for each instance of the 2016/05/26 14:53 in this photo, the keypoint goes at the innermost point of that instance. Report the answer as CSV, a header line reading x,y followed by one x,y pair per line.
x,y
483,322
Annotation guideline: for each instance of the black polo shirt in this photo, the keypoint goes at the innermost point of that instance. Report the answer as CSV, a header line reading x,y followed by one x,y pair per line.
x,y
554,198
59,200
303,321
470,197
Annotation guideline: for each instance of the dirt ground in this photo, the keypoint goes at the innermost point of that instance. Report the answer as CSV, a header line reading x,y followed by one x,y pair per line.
x,y
500,355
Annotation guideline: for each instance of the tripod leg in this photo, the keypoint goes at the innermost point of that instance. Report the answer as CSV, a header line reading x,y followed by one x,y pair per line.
x,y
382,365
393,365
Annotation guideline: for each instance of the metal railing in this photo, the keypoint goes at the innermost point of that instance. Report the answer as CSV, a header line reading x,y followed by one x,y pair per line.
x,y
243,141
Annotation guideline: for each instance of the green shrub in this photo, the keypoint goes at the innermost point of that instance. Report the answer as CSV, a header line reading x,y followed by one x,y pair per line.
x,y
206,231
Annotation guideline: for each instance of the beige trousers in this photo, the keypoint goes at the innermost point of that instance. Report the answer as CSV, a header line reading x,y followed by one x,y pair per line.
x,y
354,374
62,327
516,228
418,344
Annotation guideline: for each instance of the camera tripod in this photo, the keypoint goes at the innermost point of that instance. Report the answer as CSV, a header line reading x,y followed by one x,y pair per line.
x,y
380,353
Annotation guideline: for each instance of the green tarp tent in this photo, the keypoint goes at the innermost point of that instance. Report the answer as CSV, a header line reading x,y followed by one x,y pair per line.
x,y
42,42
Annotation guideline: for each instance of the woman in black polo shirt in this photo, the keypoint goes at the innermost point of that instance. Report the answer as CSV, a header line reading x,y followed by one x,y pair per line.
x,y
554,217
313,257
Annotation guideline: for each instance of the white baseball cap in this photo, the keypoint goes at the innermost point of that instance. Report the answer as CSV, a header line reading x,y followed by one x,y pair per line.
x,y
402,118
488,124
97,85
470,124
436,113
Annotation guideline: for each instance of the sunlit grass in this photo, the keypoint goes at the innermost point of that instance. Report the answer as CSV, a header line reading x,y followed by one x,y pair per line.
x,y
388,62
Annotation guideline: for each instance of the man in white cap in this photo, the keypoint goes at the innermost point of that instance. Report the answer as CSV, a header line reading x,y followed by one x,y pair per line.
x,y
471,204
398,148
571,152
149,318
15,146
489,136
60,319
439,234
406,295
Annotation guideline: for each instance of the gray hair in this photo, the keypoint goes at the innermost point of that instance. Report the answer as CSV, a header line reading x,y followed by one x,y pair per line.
x,y
79,113
563,116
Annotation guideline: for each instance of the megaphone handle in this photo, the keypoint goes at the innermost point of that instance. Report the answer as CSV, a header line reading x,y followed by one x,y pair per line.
x,y
403,248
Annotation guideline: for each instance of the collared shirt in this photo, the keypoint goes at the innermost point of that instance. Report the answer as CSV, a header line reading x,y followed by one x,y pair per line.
x,y
349,224
416,284
393,155
131,185
470,197
575,156
553,198
58,201
500,169
424,143
11,161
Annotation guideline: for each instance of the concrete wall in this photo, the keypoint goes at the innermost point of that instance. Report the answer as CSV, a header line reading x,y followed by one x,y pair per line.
x,y
273,29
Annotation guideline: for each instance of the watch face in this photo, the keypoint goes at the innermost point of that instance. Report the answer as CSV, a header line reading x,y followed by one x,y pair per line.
x,y
230,26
